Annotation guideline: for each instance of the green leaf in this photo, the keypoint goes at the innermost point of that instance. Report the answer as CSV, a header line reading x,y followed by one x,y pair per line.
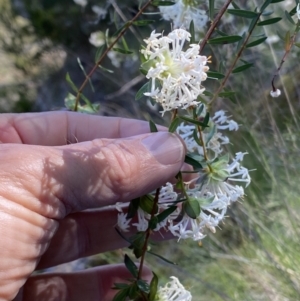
x,y
193,121
224,40
163,3
215,74
265,5
153,223
287,41
143,22
192,208
131,267
227,94
144,89
133,208
120,29
235,5
83,70
276,1
71,83
289,17
147,203
297,45
257,42
105,69
119,286
161,257
153,287
267,13
269,21
206,121
121,295
163,215
191,161
123,51
243,13
196,138
211,4
221,33
153,128
242,68
143,286
192,32
99,52
174,124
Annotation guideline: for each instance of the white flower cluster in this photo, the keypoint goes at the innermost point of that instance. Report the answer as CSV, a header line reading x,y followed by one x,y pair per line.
x,y
82,3
213,139
214,187
275,93
183,12
175,74
173,291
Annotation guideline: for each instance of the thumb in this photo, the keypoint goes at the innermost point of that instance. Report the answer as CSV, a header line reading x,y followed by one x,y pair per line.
x,y
105,171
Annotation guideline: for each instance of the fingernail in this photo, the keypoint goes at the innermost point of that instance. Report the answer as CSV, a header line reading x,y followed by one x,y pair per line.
x,y
166,147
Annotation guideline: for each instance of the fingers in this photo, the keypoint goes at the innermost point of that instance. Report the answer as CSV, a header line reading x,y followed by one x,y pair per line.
x,y
93,285
87,233
55,181
60,128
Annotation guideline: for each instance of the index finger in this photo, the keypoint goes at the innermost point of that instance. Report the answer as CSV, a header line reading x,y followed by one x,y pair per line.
x,y
60,128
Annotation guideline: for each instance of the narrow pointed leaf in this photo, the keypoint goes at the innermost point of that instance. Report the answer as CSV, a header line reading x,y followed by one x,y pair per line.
x,y
191,161
131,267
133,208
121,295
269,21
265,5
144,89
224,40
235,5
174,124
192,208
143,286
147,203
193,121
153,287
192,32
242,68
257,42
215,74
143,22
163,3
123,51
287,40
290,19
71,83
211,4
162,258
99,52
163,215
153,128
243,13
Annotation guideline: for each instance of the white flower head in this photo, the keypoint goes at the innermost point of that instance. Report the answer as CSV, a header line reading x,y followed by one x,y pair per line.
x,y
212,136
214,190
82,3
173,291
275,93
175,74
183,12
97,38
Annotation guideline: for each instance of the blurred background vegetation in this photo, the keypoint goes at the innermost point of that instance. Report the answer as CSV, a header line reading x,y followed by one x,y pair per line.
x,y
256,254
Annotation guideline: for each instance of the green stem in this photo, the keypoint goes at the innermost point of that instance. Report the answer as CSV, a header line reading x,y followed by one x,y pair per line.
x,y
148,232
237,57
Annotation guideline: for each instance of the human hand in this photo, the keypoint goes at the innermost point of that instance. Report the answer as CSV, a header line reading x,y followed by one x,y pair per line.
x,y
54,166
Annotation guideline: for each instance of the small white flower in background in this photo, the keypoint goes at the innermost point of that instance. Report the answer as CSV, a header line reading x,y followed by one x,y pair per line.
x,y
99,11
175,74
276,93
97,38
173,291
82,3
298,11
183,12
